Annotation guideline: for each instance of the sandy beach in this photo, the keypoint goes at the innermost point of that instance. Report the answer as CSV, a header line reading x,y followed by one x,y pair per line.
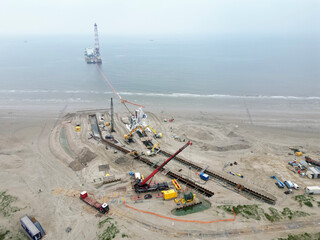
x,y
35,171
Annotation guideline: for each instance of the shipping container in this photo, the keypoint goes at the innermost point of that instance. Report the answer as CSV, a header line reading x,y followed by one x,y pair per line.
x,y
30,228
313,190
204,176
169,194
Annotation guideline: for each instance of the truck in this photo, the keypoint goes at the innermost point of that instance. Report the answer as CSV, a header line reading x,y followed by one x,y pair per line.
x,y
313,190
101,207
289,184
32,227
278,183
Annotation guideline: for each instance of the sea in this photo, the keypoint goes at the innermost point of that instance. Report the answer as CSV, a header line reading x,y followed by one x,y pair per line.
x,y
207,73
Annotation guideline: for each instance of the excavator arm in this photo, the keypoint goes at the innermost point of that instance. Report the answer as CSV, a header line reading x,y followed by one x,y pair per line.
x,y
157,135
127,136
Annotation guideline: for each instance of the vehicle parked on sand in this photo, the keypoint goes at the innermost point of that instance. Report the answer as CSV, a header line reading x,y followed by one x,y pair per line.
x,y
295,186
288,184
102,208
147,196
278,183
313,190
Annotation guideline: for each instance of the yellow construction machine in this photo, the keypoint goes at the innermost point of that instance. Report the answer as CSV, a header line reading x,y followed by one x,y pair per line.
x,y
134,154
128,137
153,151
156,135
188,198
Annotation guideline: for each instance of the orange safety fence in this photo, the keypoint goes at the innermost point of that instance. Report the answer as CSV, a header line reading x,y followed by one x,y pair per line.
x,y
182,220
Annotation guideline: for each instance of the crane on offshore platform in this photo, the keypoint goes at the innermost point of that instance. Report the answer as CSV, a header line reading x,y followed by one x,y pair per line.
x,y
141,186
93,55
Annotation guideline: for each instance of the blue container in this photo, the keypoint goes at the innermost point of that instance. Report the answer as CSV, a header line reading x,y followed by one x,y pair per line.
x,y
31,228
204,176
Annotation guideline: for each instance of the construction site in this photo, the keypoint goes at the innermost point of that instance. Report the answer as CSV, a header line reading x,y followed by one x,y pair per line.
x,y
149,170
110,172
124,172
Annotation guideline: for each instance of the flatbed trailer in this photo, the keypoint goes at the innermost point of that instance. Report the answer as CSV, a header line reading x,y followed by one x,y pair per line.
x,y
101,207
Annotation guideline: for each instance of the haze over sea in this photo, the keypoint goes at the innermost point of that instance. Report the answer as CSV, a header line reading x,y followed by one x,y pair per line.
x,y
177,72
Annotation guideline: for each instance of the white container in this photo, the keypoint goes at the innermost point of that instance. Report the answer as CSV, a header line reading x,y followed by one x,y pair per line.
x,y
313,190
137,175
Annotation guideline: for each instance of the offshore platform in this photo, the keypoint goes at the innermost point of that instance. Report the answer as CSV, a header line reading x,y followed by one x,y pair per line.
x,y
93,55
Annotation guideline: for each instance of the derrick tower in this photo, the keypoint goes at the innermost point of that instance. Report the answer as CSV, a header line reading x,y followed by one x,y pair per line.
x,y
96,40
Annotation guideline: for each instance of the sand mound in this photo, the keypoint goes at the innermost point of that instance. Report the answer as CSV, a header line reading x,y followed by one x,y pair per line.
x,y
76,166
85,155
121,160
238,146
193,132
232,134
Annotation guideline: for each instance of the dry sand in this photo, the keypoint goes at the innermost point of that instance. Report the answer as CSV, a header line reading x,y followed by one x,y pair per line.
x,y
32,158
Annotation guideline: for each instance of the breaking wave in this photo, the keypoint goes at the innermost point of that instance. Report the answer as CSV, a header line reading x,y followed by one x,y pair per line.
x,y
55,100
190,95
171,95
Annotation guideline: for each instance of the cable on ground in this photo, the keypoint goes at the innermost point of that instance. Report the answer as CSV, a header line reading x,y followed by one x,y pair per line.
x,y
182,220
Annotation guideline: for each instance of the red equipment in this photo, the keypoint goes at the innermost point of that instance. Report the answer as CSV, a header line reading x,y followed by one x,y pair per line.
x,y
164,163
103,208
310,160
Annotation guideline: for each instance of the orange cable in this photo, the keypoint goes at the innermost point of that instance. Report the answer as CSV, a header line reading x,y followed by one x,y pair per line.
x,y
182,220
105,78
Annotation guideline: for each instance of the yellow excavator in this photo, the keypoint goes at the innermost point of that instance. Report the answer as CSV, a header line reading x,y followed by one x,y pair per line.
x,y
156,135
153,151
128,137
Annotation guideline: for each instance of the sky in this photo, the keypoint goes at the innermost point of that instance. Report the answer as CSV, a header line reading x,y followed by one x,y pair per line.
x,y
166,17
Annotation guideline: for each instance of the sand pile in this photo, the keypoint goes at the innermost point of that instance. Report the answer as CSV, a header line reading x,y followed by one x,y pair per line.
x,y
232,147
86,155
232,134
121,160
198,133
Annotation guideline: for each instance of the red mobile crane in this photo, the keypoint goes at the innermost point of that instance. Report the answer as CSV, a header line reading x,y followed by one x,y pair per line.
x,y
144,187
